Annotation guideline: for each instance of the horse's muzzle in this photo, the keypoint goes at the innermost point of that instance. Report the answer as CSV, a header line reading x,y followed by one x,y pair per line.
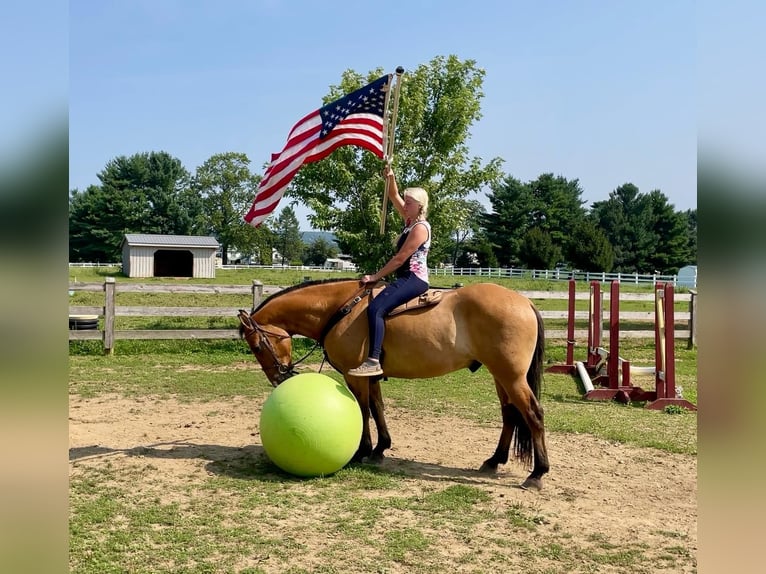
x,y
283,375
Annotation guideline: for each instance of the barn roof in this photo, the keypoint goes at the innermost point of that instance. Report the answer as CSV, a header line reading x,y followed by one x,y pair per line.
x,y
150,240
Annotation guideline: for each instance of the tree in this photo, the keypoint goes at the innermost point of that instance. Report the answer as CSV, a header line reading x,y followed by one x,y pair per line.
x,y
287,236
509,220
690,215
647,234
589,249
467,215
626,220
144,193
318,251
558,208
438,104
227,189
671,232
477,252
90,238
538,249
551,204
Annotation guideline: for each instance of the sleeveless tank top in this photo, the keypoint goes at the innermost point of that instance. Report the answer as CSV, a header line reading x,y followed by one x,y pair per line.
x,y
418,262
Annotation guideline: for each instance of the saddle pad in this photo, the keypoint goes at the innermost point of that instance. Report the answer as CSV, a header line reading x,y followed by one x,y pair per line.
x,y
430,297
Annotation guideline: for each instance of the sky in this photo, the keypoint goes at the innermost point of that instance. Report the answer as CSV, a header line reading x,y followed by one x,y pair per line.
x,y
602,92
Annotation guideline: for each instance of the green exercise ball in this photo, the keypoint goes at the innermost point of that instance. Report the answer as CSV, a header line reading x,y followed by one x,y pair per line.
x,y
311,425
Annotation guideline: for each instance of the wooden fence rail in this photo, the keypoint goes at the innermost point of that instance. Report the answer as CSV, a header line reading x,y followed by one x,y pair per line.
x,y
258,291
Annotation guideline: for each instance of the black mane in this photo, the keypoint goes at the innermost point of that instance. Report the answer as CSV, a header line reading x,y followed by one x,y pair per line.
x,y
300,286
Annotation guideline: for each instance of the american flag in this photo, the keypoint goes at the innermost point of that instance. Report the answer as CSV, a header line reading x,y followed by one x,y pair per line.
x,y
354,119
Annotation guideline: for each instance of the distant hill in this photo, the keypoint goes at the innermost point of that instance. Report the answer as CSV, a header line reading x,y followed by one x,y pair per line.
x,y
309,237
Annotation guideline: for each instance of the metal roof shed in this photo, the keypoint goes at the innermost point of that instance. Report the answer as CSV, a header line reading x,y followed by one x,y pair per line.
x,y
147,255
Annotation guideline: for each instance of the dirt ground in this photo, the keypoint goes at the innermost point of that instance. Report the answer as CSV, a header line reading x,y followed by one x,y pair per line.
x,y
636,495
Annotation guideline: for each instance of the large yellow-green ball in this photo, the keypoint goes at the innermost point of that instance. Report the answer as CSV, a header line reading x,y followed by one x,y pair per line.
x,y
311,425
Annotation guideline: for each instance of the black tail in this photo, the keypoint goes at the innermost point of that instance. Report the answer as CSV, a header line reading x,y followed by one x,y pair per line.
x,y
535,372
522,441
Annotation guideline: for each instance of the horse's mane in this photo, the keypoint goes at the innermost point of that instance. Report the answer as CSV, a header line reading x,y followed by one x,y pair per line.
x,y
292,288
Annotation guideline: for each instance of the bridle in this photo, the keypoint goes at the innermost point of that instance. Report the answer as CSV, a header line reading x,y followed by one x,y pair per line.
x,y
283,371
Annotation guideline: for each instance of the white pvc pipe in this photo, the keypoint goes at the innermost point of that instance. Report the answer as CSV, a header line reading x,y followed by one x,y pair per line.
x,y
584,377
642,370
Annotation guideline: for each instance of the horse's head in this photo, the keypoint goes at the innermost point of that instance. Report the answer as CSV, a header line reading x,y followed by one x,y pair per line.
x,y
271,345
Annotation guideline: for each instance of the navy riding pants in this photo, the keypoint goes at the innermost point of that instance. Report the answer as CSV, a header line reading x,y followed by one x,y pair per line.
x,y
395,294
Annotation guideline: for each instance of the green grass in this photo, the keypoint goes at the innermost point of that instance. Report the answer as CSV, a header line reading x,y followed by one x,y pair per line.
x,y
365,524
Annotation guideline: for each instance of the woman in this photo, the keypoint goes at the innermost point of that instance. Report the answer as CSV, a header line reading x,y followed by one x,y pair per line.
x,y
410,264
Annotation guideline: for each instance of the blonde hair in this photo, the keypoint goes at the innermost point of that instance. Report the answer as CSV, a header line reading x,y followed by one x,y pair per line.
x,y
420,195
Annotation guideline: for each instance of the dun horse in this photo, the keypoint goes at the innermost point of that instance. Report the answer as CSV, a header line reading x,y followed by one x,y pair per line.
x,y
480,324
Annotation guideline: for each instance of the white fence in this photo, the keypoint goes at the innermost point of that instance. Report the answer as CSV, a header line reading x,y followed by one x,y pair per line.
x,y
506,272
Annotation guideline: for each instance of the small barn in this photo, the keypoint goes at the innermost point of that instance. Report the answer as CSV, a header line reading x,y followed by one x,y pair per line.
x,y
147,255
687,276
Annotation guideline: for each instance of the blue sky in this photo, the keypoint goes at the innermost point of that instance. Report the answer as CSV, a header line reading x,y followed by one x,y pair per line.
x,y
604,92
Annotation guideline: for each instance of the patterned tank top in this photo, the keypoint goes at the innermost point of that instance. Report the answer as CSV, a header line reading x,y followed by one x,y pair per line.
x,y
418,262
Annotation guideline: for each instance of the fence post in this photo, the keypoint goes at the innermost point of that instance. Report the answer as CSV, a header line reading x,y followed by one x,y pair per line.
x,y
692,320
109,288
257,293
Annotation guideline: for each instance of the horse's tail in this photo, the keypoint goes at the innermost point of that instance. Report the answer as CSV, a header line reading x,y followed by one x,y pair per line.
x,y
535,372
523,448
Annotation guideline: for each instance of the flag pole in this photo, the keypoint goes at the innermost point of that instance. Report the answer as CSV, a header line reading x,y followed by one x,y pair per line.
x,y
388,143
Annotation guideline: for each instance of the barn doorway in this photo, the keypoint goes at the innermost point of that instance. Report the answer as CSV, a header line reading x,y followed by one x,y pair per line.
x,y
173,263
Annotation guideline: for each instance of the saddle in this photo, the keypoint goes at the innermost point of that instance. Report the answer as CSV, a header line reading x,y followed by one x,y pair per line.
x,y
427,299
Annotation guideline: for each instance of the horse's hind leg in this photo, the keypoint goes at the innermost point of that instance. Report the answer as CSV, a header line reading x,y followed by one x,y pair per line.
x,y
376,408
523,414
534,420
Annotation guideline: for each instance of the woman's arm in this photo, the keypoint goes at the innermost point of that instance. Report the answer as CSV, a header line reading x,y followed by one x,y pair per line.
x,y
418,235
393,190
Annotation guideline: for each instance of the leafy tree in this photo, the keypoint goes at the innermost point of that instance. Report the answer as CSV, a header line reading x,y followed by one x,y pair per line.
x,y
287,236
539,250
227,189
671,232
690,215
477,252
467,224
645,231
512,203
626,220
558,208
551,204
144,193
318,251
589,248
90,238
439,102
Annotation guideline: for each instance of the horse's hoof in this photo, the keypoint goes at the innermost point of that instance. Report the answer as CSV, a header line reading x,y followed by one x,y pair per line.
x,y
376,458
488,468
357,458
533,484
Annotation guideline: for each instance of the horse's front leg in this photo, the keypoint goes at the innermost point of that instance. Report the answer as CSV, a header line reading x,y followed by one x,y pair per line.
x,y
376,408
360,387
